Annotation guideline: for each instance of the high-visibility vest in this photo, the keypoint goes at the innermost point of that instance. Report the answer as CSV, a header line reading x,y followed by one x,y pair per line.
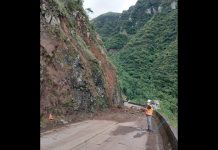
x,y
149,112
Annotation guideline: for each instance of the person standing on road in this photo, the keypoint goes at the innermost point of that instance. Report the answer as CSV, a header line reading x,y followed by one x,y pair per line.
x,y
149,113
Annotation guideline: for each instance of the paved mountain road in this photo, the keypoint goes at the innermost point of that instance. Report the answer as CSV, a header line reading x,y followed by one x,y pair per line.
x,y
102,135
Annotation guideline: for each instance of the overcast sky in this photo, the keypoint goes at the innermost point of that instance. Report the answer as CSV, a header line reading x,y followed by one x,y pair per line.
x,y
102,6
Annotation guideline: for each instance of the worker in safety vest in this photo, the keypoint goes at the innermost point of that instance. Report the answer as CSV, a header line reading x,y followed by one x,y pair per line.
x,y
149,113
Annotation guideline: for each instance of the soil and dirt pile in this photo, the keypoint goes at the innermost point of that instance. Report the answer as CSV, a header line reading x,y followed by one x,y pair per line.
x,y
76,76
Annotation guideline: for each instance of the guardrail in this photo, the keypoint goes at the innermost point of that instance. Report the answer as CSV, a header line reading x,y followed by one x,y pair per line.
x,y
170,138
136,104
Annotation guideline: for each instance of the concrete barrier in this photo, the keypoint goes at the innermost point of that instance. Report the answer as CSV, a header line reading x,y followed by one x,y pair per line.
x,y
169,135
143,105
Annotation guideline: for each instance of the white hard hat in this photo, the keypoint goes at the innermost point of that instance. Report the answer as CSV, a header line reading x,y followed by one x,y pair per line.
x,y
149,101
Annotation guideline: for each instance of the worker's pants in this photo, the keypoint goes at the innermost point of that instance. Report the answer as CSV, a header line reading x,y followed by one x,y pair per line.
x,y
149,123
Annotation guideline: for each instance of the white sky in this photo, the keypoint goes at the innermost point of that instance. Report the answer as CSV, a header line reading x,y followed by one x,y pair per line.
x,y
102,6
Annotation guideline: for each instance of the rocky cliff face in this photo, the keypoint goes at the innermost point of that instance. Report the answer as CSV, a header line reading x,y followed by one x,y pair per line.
x,y
75,74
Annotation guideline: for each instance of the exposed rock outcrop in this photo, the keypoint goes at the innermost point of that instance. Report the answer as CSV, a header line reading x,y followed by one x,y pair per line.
x,y
75,74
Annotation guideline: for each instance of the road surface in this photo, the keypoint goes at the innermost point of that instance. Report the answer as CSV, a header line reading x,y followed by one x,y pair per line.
x,y
102,135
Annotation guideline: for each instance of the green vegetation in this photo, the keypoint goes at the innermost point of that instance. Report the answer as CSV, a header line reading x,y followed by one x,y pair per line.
x,y
110,24
100,103
146,59
106,24
69,8
116,42
43,121
69,103
74,5
84,48
147,65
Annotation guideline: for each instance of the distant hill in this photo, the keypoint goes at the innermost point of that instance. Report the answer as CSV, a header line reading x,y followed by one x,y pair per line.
x,y
143,46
